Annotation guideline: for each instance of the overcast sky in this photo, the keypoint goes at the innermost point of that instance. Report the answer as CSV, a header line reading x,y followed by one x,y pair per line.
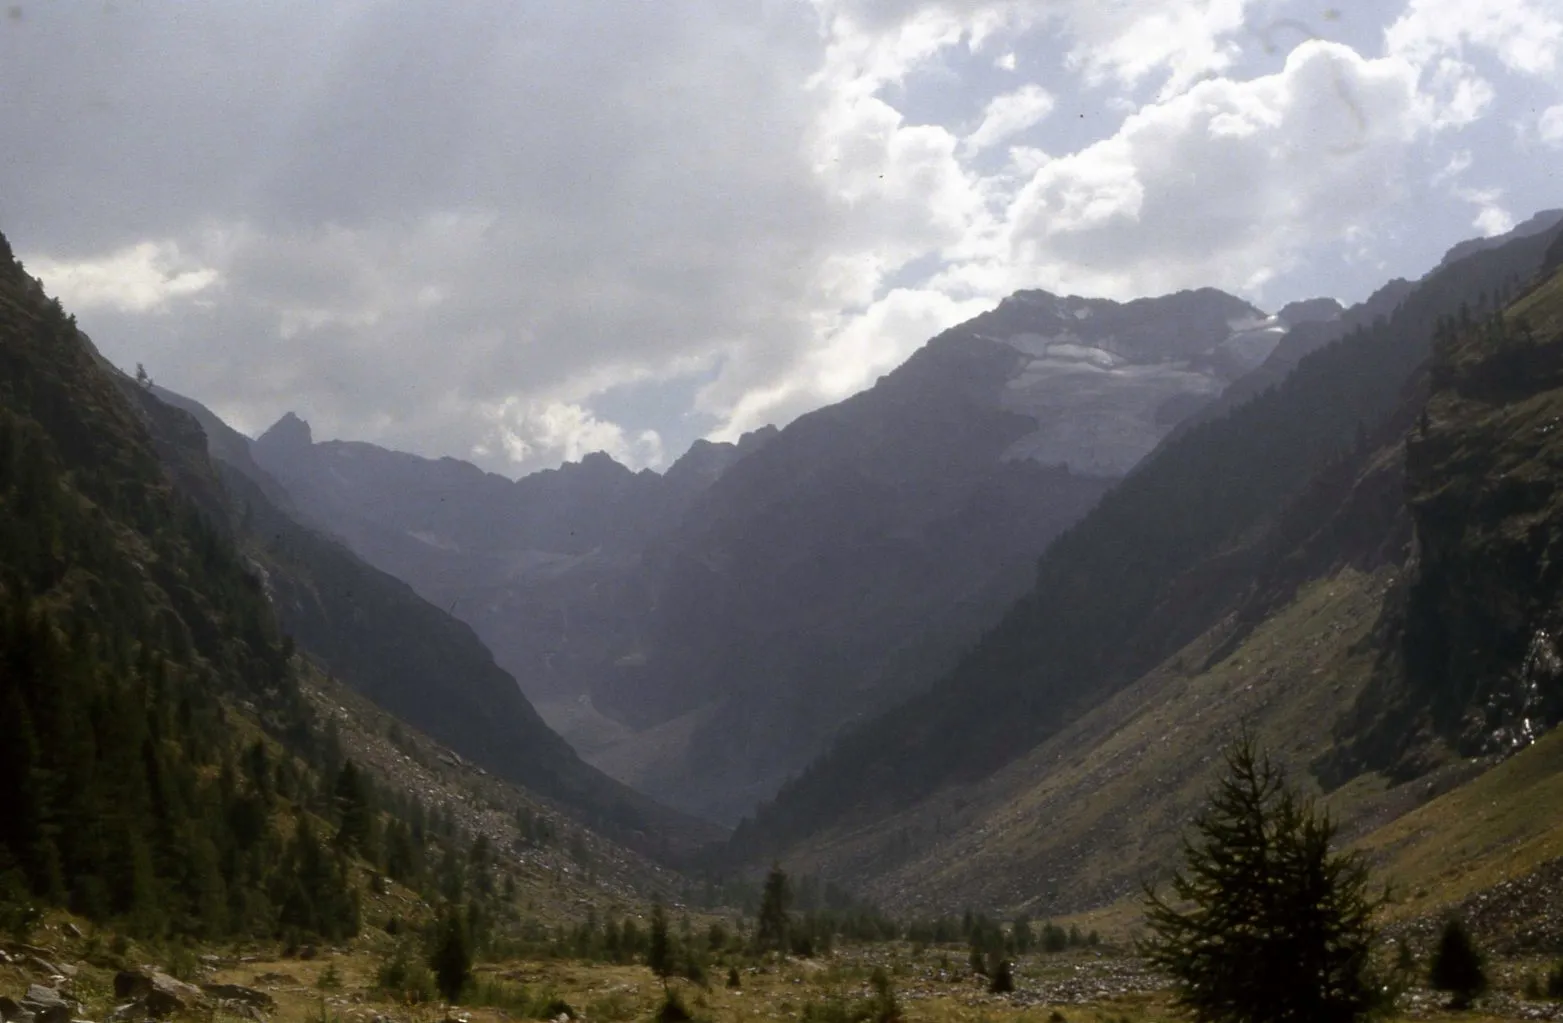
x,y
517,231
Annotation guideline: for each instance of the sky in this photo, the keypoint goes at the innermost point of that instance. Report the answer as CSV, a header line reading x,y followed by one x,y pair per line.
x,y
518,233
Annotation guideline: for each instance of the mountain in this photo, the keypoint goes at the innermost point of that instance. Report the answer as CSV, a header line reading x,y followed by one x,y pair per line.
x,y
175,768
376,635
1252,569
702,634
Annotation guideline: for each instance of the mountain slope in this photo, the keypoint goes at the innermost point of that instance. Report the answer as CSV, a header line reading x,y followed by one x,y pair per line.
x,y
704,634
1161,560
374,633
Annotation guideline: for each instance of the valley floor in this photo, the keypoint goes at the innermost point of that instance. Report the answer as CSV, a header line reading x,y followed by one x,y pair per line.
x,y
931,984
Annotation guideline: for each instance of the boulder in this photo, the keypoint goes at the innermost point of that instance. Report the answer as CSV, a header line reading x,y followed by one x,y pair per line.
x,y
46,1005
157,992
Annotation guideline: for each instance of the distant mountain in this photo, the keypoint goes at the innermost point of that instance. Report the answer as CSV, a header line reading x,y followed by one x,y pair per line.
x,y
703,633
380,638
1264,567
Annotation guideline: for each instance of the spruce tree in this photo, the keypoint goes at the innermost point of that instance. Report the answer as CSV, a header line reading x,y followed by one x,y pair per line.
x,y
771,928
659,950
1265,924
1457,965
451,959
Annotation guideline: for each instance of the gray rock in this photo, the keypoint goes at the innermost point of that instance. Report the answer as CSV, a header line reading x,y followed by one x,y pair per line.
x,y
238,993
157,992
46,1005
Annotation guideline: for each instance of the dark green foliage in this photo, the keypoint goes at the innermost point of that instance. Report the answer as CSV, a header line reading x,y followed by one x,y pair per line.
x,y
772,926
1457,966
672,1009
881,1006
451,955
404,976
659,946
355,828
130,630
1265,922
1555,982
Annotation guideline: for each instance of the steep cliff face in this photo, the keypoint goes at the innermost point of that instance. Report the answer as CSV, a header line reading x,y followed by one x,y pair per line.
x,y
1478,660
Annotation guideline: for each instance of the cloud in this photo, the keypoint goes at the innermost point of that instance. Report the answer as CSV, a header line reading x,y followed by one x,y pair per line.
x,y
1227,184
467,229
1008,115
1550,125
526,432
140,278
1525,35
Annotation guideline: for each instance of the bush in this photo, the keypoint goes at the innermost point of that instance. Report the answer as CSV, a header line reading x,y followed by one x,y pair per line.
x,y
672,1009
1457,966
1001,979
1555,981
405,978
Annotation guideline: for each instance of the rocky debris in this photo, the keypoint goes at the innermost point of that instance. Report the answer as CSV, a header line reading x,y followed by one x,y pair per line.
x,y
240,995
44,1005
153,992
50,968
276,979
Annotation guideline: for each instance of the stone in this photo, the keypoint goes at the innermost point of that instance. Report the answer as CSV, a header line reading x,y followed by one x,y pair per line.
x,y
46,1005
238,993
157,992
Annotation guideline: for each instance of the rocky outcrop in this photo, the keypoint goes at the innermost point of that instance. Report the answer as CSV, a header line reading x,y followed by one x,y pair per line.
x,y
153,992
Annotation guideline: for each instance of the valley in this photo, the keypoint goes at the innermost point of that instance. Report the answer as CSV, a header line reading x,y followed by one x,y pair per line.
x,y
1008,609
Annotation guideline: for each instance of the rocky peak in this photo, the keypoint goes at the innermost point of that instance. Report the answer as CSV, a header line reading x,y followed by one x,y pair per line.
x,y
287,435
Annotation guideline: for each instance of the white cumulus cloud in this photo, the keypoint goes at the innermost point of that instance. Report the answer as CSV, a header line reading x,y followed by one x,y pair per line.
x,y
139,278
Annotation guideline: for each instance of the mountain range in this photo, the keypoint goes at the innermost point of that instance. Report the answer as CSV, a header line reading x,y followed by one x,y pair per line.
x,y
702,634
1356,565
972,637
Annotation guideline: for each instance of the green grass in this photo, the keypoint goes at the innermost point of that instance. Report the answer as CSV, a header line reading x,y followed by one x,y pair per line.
x,y
1501,825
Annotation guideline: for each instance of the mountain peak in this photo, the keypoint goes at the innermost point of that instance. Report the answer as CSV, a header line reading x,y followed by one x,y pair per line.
x,y
290,433
1310,310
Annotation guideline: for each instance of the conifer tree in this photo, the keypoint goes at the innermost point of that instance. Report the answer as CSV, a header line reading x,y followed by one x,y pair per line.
x,y
1457,965
659,950
451,959
772,925
1265,924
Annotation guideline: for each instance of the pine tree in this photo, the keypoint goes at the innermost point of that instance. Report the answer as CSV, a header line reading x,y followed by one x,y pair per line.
x,y
353,813
451,959
1457,965
771,928
1276,926
659,950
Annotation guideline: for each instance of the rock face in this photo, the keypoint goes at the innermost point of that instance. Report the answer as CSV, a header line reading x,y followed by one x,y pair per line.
x,y
703,633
